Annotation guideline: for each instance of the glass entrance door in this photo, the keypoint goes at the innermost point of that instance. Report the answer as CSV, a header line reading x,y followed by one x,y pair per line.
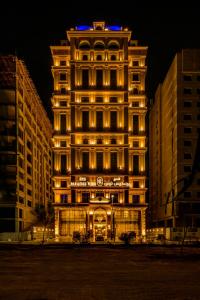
x,y
100,225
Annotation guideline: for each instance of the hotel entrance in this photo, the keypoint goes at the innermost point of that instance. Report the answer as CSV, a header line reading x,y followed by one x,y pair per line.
x,y
100,224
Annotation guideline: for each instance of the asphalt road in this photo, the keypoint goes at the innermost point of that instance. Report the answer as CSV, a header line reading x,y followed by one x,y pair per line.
x,y
99,273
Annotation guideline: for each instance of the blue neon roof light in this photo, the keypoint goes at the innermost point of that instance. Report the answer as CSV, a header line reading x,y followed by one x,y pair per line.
x,y
83,27
114,27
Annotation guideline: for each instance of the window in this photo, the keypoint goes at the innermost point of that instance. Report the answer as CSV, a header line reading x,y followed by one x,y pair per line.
x,y
187,168
136,164
85,78
187,143
113,57
21,200
29,192
85,120
187,104
85,57
21,187
113,161
136,184
135,144
62,62
63,183
99,99
198,91
99,120
99,160
135,124
113,100
29,145
63,90
113,45
85,99
63,144
187,130
29,203
135,63
135,77
135,91
29,158
135,104
198,117
29,170
63,103
63,198
63,163
187,155
136,198
85,141
84,45
63,119
113,141
99,141
63,76
85,160
187,91
187,117
99,57
99,194
113,120
187,77
198,194
113,78
99,78
85,197
99,45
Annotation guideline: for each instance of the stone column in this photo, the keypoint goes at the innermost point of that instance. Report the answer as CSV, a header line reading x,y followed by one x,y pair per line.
x,y
57,222
143,223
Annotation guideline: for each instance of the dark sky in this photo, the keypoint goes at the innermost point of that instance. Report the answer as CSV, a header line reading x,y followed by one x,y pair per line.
x,y
30,29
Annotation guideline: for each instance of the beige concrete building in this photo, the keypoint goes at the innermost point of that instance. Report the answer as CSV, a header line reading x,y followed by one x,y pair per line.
x,y
174,148
99,107
25,148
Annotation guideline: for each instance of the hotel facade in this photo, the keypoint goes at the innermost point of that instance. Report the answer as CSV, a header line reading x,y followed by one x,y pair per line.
x,y
175,149
25,148
99,140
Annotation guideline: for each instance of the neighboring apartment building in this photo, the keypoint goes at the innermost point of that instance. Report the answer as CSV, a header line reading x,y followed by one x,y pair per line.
x,y
175,148
99,107
25,148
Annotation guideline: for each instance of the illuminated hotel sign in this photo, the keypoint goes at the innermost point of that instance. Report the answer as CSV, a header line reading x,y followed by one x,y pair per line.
x,y
83,182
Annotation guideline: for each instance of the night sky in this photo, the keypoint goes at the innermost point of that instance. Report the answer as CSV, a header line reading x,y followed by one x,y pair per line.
x,y
29,30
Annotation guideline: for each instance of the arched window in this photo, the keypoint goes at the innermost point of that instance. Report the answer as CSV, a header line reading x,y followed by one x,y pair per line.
x,y
99,57
84,45
135,91
99,45
113,57
85,57
113,45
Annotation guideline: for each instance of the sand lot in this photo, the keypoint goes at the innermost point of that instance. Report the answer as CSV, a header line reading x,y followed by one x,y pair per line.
x,y
99,273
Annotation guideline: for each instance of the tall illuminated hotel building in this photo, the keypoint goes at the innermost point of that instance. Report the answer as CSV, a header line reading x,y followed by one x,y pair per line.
x,y
99,107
